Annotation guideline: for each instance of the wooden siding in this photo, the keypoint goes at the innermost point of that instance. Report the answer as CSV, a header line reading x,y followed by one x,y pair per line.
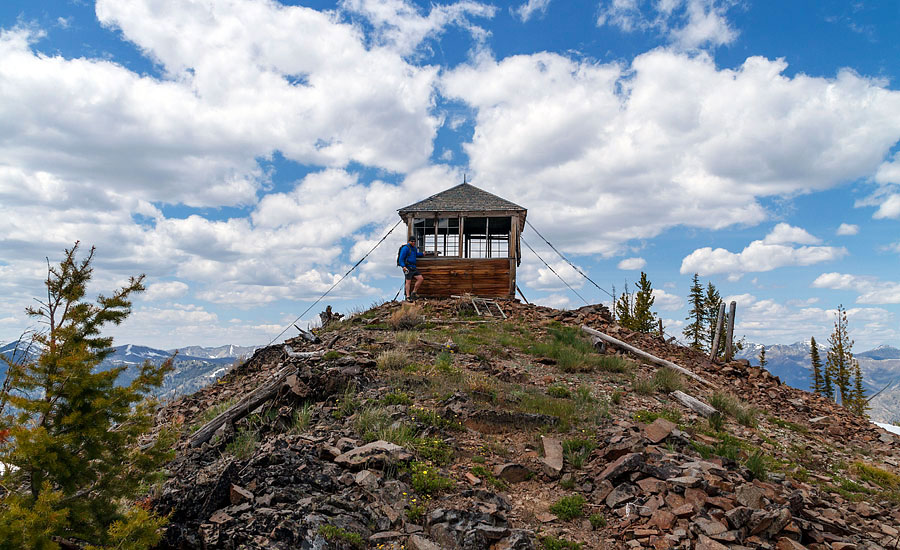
x,y
480,277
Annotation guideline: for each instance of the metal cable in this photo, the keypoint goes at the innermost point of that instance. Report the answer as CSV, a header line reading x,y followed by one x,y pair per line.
x,y
554,271
568,261
335,284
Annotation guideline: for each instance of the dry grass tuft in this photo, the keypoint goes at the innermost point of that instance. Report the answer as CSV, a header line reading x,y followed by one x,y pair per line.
x,y
406,317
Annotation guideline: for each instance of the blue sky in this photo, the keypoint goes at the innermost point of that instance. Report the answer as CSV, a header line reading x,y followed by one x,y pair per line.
x,y
243,154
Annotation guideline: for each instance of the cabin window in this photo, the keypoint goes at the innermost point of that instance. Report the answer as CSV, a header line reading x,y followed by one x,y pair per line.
x,y
437,235
486,237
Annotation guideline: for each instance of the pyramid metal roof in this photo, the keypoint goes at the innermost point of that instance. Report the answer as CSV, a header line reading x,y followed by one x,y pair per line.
x,y
464,197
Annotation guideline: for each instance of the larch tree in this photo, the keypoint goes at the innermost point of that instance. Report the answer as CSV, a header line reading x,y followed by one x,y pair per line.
x,y
816,362
694,332
73,446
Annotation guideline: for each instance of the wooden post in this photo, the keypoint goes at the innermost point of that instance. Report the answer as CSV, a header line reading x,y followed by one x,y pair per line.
x,y
729,333
720,318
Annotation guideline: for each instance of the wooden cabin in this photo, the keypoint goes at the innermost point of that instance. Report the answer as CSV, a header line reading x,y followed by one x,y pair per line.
x,y
471,241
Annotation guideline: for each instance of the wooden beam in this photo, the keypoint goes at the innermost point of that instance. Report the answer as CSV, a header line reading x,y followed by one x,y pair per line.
x,y
643,354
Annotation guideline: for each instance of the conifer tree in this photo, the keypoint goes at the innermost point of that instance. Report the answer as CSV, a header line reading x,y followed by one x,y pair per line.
x,y
643,300
860,404
839,362
73,439
711,302
624,309
694,330
818,381
762,357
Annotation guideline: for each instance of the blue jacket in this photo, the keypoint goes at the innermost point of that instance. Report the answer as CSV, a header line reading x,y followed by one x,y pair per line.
x,y
408,256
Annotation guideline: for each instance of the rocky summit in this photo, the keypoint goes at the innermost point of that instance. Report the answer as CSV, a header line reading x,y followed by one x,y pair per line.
x,y
426,426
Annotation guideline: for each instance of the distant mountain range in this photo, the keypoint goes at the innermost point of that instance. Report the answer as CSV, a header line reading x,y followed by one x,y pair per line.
x,y
880,366
195,366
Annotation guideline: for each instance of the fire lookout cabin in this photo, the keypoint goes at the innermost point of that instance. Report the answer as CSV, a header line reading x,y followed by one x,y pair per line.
x,y
470,239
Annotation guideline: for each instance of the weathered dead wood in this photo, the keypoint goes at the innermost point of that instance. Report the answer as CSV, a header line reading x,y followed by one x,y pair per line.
x,y
729,333
302,354
598,344
720,318
643,354
308,335
448,346
260,395
333,341
693,403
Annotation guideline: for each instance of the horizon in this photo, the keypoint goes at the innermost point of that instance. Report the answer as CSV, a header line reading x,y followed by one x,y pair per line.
x,y
245,168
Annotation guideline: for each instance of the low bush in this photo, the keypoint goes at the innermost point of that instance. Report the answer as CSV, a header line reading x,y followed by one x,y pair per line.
x,y
336,534
568,508
407,316
559,391
576,451
391,360
427,480
668,380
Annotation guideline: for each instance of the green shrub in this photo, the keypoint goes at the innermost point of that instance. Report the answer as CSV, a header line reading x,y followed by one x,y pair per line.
x,y
598,521
568,508
668,380
576,451
415,513
332,355
434,449
646,417
427,480
396,398
613,363
559,391
336,534
553,543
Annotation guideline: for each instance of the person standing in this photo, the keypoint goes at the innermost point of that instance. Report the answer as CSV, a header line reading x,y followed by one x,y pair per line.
x,y
407,260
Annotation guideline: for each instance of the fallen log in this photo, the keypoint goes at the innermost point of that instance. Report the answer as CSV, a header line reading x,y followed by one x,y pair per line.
x,y
643,354
693,403
302,354
243,407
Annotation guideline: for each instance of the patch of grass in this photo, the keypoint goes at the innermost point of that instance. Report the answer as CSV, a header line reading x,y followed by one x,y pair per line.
x,y
559,391
756,463
531,401
332,355
396,398
392,359
405,317
427,480
598,521
407,337
788,425
668,380
346,404
876,475
336,534
553,543
243,445
616,397
489,478
576,451
482,386
569,348
613,363
716,421
213,412
568,508
301,418
583,395
646,417
374,423
743,413
567,483
643,386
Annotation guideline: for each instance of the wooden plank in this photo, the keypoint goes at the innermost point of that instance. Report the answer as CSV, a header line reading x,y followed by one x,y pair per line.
x,y
643,354
720,318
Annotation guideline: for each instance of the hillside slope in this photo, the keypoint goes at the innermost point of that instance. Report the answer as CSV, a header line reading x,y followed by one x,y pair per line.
x,y
438,429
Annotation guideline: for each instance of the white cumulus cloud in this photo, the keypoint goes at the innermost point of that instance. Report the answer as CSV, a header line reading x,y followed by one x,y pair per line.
x,y
632,263
847,229
871,290
689,24
529,8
